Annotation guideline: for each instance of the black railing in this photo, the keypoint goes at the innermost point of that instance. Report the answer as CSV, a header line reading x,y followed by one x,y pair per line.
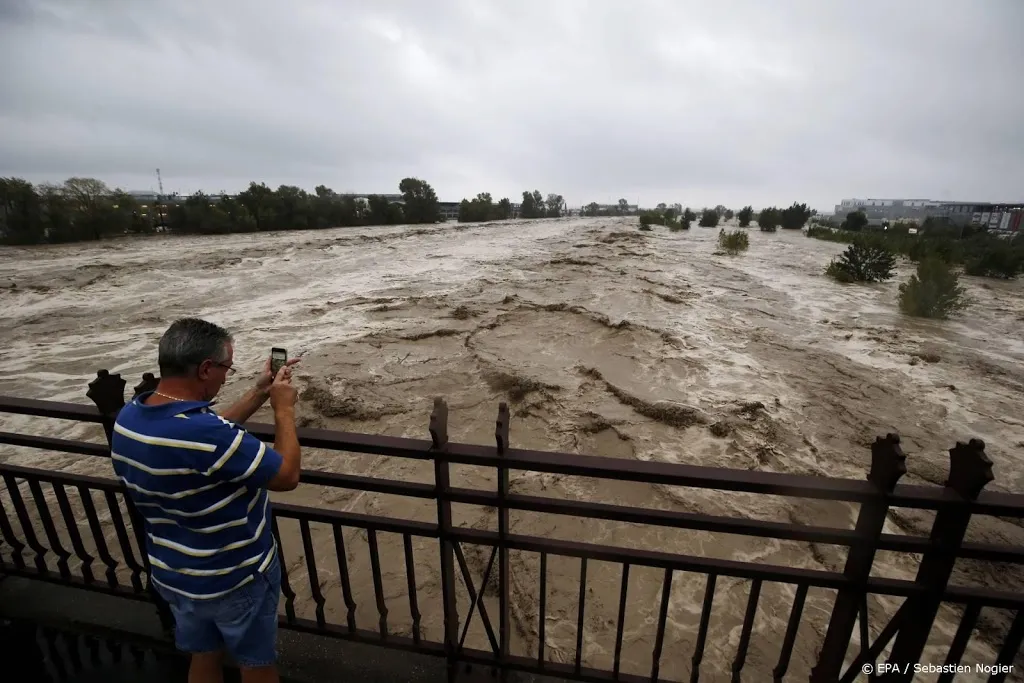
x,y
53,530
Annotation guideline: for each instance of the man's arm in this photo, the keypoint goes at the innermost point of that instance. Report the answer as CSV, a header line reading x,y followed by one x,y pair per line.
x,y
245,407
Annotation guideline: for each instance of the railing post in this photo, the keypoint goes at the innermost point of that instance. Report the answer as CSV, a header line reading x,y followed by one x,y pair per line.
x,y
439,442
107,392
888,464
501,439
969,471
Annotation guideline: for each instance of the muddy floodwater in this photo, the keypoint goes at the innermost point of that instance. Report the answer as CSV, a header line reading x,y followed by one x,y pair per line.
x,y
604,340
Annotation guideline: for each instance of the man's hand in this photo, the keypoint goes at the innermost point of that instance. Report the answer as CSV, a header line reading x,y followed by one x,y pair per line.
x,y
283,395
266,378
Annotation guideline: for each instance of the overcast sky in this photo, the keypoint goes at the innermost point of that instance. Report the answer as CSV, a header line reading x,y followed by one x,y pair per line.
x,y
732,101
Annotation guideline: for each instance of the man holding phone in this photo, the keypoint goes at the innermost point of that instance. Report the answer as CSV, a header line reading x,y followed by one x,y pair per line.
x,y
200,482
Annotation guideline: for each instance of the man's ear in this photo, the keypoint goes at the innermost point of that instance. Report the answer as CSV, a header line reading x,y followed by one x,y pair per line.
x,y
203,371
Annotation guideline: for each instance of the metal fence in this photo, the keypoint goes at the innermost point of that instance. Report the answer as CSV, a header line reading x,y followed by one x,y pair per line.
x,y
55,531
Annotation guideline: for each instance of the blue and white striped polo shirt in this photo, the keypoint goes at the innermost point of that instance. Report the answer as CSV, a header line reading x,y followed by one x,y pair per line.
x,y
199,481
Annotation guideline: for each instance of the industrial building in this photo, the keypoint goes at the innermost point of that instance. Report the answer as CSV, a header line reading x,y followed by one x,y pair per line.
x,y
996,217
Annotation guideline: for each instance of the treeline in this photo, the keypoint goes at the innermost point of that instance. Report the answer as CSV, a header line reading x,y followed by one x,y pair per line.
x,y
87,209
794,218
483,207
974,249
621,208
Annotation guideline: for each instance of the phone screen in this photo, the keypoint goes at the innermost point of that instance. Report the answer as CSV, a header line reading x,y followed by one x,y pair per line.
x,y
278,357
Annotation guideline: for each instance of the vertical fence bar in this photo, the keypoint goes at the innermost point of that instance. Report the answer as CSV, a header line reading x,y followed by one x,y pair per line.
x,y
122,538
791,629
659,636
969,471
410,577
960,640
73,532
311,573
620,625
286,586
7,531
439,442
542,609
581,608
346,582
378,586
26,522
888,464
702,630
56,547
501,439
97,535
748,625
1011,648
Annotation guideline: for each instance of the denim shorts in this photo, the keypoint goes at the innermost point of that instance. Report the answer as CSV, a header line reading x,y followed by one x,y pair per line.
x,y
243,622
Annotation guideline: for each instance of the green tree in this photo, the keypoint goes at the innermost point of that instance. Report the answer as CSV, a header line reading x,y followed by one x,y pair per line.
x,y
768,219
528,209
709,218
745,214
623,207
662,207
505,209
933,292
258,200
554,204
20,212
688,215
728,214
863,261
794,217
89,199
855,221
420,201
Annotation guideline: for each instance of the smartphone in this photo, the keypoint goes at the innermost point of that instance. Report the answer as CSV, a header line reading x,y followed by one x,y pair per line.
x,y
278,357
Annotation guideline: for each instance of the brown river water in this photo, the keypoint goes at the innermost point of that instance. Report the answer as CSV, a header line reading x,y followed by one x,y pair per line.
x,y
604,340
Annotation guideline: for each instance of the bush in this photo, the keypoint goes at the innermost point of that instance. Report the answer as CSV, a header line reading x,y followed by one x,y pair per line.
x,y
689,215
708,219
933,292
729,214
733,242
794,217
855,220
768,219
829,235
745,214
997,260
676,226
863,261
648,217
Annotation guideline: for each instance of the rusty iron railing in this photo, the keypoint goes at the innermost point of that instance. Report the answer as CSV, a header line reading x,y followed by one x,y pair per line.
x,y
39,550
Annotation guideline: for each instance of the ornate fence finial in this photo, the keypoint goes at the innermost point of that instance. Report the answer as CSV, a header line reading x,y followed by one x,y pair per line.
x,y
439,423
501,427
969,468
148,383
888,462
107,392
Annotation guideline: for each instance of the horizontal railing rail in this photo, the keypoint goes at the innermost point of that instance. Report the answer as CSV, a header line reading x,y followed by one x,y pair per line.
x,y
52,529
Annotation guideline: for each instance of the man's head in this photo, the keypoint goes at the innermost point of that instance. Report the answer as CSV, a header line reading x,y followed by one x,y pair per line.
x,y
196,353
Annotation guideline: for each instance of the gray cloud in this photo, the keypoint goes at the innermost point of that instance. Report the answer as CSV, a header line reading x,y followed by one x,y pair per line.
x,y
734,102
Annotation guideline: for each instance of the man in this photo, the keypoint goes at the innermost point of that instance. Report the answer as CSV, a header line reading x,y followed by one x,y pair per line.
x,y
200,482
